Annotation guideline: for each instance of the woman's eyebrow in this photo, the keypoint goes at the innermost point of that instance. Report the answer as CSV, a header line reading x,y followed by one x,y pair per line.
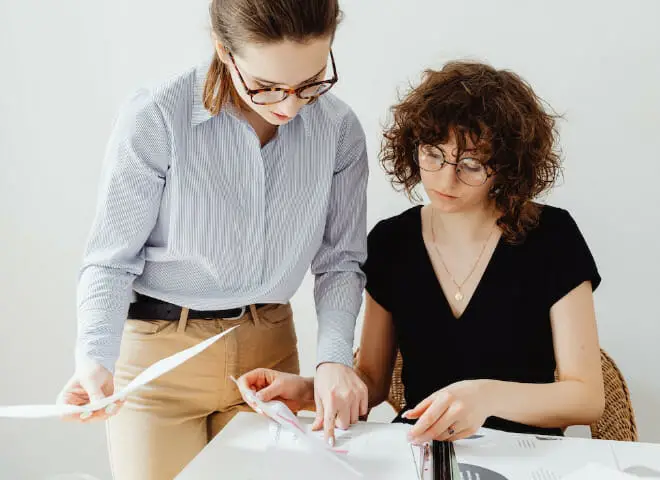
x,y
269,82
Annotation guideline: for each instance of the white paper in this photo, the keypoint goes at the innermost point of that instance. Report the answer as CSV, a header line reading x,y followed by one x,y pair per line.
x,y
283,416
154,371
594,471
253,447
380,451
498,455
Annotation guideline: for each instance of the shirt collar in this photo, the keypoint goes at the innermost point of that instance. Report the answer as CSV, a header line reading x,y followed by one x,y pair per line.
x,y
199,112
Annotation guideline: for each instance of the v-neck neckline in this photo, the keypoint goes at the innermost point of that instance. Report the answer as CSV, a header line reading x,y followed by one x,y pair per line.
x,y
429,270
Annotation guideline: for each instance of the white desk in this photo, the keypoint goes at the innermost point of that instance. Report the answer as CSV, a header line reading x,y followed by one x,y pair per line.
x,y
245,450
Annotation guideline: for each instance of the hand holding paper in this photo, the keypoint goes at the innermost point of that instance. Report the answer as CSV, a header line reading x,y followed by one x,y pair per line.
x,y
90,383
294,391
149,374
281,414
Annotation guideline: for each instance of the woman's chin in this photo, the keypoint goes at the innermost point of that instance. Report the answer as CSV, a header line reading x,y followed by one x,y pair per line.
x,y
447,206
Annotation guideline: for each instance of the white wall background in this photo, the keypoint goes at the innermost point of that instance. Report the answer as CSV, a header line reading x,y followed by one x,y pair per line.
x,y
65,66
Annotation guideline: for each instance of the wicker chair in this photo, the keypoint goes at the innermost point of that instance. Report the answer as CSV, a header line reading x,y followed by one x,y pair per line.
x,y
616,423
618,419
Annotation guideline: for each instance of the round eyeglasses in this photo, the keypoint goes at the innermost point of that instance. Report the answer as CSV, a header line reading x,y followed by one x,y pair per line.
x,y
272,95
469,170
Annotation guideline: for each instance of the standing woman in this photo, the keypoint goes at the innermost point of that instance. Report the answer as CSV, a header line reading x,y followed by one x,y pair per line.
x,y
220,188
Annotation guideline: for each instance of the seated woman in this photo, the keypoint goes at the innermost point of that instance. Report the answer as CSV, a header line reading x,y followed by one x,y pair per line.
x,y
486,293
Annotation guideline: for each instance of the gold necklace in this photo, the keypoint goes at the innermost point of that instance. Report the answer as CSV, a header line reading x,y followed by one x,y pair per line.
x,y
458,295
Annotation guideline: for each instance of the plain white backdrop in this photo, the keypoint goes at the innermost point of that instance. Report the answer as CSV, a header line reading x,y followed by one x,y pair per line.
x,y
65,66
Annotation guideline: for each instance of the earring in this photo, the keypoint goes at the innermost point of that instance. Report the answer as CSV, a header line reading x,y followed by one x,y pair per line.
x,y
494,192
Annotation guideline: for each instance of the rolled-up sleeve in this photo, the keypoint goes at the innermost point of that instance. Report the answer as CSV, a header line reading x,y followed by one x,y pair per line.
x,y
339,280
132,181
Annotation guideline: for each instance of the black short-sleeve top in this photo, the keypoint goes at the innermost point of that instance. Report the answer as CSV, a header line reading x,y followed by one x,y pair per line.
x,y
504,332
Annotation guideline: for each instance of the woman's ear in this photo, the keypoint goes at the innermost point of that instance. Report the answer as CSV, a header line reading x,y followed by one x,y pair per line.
x,y
221,50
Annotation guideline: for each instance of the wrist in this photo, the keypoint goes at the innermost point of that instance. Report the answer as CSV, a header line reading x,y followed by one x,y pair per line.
x,y
85,364
491,392
325,364
309,402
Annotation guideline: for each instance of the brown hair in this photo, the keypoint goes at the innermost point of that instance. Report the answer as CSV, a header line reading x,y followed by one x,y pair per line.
x,y
236,22
505,119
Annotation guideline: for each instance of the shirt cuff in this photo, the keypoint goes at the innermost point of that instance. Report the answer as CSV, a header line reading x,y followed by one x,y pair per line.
x,y
100,341
336,330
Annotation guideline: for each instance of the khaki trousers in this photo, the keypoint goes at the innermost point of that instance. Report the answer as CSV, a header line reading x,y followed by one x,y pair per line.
x,y
162,426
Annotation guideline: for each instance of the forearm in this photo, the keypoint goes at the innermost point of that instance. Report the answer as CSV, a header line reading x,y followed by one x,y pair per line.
x,y
103,300
552,405
376,390
339,279
338,298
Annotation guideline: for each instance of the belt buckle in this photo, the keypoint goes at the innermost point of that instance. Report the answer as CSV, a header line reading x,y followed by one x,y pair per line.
x,y
243,309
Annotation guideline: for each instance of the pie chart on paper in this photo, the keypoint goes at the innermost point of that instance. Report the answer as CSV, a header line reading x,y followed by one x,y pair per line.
x,y
473,472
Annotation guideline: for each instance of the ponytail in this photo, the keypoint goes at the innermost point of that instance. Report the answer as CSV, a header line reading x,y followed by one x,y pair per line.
x,y
218,87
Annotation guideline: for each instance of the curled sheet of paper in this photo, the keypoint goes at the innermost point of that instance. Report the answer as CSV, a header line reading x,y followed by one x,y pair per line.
x,y
280,413
151,373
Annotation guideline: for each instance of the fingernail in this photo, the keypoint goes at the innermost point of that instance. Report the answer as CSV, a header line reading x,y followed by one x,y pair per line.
x,y
331,441
85,415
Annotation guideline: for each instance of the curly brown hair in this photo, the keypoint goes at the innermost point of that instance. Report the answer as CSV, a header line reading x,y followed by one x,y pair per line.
x,y
504,118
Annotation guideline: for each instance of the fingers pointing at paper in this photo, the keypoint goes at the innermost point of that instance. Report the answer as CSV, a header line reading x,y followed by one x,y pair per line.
x,y
337,394
341,398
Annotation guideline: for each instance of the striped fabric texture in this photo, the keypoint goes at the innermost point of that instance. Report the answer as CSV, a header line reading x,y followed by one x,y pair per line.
x,y
192,210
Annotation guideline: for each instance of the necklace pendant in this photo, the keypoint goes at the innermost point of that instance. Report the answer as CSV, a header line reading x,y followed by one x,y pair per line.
x,y
459,296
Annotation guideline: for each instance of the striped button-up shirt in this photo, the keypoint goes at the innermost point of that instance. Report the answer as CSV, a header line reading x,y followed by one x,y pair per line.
x,y
193,210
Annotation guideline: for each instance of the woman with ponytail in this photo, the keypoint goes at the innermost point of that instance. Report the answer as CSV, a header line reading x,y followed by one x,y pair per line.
x,y
220,189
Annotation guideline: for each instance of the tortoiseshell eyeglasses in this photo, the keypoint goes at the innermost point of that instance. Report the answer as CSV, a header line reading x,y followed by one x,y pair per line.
x,y
272,95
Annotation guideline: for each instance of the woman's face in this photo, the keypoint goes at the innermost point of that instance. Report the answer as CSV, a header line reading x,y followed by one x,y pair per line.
x,y
285,64
453,189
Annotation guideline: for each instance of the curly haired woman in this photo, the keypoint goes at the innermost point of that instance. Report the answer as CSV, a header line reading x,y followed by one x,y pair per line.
x,y
487,294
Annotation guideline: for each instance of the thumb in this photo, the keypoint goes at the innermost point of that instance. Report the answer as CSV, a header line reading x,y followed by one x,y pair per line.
x,y
419,409
94,390
272,391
